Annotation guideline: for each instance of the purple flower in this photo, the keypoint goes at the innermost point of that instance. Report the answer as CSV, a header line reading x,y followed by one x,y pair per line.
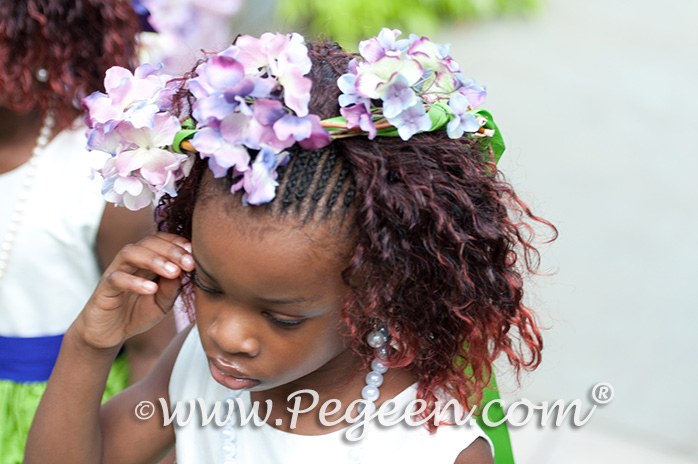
x,y
218,83
257,128
431,56
397,96
260,181
318,138
360,116
284,57
131,192
249,75
347,85
141,168
374,78
221,154
385,43
410,121
146,155
473,92
103,138
134,98
237,128
462,121
296,90
185,27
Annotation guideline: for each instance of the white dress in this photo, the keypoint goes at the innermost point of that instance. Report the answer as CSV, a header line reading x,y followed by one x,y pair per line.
x,y
52,269
264,444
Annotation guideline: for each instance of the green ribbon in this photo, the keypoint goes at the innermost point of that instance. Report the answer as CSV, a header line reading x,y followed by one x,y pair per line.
x,y
440,115
496,141
186,133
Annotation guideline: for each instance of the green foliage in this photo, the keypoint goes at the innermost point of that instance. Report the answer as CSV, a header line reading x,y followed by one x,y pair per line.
x,y
348,21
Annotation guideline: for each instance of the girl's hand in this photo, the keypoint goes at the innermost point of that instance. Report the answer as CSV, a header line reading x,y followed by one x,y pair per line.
x,y
136,291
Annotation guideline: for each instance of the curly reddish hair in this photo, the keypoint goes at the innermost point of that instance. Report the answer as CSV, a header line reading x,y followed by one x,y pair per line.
x,y
441,244
74,41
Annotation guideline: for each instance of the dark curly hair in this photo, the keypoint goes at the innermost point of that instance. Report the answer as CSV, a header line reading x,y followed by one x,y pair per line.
x,y
442,244
75,41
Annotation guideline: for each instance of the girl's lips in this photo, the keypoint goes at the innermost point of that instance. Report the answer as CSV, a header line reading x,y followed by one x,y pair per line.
x,y
230,378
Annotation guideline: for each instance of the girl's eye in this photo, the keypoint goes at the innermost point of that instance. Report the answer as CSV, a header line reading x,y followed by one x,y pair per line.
x,y
203,287
284,323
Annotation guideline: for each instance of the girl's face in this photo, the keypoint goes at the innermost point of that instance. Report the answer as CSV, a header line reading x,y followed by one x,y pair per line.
x,y
268,298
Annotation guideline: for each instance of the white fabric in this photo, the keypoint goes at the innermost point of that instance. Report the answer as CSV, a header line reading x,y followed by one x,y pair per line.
x,y
264,444
52,269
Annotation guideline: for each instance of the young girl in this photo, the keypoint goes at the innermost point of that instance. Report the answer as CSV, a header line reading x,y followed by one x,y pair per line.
x,y
373,267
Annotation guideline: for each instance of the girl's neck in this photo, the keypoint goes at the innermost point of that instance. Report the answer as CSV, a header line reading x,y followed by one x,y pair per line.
x,y
18,133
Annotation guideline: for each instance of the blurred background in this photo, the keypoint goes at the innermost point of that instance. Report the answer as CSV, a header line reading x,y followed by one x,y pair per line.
x,y
597,103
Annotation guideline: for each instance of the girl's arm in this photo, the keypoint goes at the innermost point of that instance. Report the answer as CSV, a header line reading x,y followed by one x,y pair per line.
x,y
118,228
69,426
479,452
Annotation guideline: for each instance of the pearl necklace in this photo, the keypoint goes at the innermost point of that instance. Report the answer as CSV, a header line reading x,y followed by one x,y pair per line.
x,y
27,185
378,340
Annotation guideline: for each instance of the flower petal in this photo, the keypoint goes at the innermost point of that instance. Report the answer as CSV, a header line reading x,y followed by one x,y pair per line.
x,y
213,107
223,72
292,126
234,127
157,166
99,139
397,96
296,91
267,111
319,136
260,181
115,77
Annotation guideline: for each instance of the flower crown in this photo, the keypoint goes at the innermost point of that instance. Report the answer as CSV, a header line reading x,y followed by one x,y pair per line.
x,y
251,104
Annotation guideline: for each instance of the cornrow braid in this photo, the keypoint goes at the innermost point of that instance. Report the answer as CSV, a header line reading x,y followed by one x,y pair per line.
x,y
311,185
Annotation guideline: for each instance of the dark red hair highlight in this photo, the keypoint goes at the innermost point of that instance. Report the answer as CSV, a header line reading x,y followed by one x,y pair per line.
x,y
75,41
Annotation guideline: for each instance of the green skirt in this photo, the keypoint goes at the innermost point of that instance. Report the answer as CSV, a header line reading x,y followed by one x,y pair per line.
x,y
18,403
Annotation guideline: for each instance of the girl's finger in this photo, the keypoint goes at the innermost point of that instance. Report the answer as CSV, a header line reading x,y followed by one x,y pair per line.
x,y
173,247
120,281
168,291
176,239
137,258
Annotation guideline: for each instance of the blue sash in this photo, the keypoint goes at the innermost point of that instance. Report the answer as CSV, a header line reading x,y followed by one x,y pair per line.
x,y
28,359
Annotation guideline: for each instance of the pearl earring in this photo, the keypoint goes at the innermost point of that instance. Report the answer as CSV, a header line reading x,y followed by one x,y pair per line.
x,y
378,340
41,75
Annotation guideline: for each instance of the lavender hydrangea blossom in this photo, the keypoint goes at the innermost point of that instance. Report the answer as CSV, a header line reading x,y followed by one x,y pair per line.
x,y
132,124
400,80
254,95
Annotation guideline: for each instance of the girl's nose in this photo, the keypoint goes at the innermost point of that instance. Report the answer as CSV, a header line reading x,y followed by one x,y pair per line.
x,y
235,334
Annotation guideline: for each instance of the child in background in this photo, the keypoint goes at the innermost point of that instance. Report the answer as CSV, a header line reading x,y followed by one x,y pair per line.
x,y
375,256
58,235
